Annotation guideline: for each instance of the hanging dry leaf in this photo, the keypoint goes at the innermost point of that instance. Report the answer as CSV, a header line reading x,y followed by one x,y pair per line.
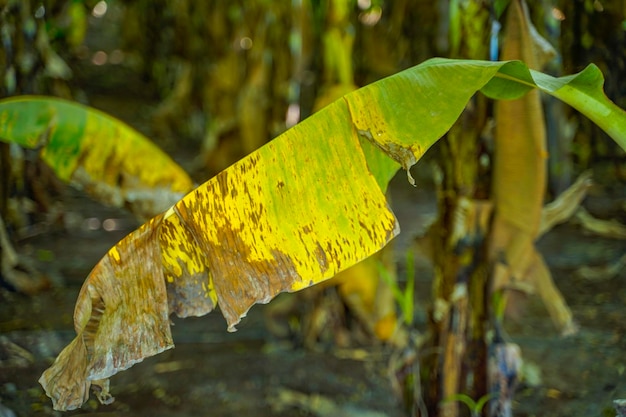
x,y
566,204
606,228
519,178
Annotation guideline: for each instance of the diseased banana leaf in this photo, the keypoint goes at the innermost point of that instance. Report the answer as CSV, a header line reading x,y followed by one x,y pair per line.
x,y
110,160
293,213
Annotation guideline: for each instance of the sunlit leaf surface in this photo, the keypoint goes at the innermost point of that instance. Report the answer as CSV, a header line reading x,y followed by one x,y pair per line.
x,y
111,161
293,213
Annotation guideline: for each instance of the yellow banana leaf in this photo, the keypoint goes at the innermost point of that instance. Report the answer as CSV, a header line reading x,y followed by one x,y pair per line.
x,y
520,136
90,149
292,214
520,159
520,175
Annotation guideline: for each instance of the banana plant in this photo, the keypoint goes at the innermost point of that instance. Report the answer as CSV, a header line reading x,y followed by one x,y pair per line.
x,y
292,214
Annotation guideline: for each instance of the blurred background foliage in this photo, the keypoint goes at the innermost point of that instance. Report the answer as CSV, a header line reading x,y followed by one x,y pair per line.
x,y
213,80
229,76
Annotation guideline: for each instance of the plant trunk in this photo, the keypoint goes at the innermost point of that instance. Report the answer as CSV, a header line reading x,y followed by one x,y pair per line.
x,y
459,317
460,291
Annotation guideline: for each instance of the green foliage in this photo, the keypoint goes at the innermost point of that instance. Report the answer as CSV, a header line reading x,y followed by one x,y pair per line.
x,y
475,407
500,6
405,298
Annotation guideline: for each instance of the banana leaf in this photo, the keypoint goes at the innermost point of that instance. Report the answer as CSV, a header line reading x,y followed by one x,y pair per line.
x,y
111,161
295,212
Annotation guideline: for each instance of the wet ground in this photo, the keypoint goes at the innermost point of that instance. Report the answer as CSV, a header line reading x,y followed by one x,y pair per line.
x,y
581,374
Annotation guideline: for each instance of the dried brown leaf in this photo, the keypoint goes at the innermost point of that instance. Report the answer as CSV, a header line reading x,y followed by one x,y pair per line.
x,y
121,317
